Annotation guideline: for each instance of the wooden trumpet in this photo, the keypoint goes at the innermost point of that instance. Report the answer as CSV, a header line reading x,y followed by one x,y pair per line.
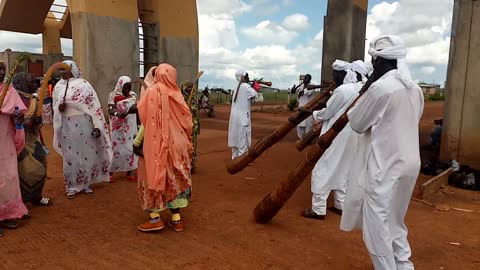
x,y
317,103
273,202
309,138
37,109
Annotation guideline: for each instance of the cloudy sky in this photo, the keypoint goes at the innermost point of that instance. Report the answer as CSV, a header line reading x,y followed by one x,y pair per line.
x,y
280,39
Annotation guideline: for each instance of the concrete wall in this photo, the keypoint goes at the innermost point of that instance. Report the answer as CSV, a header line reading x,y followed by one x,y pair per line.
x,y
174,24
461,132
343,33
10,58
105,42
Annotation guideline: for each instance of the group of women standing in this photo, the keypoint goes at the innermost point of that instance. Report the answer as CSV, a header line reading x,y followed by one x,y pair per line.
x,y
92,150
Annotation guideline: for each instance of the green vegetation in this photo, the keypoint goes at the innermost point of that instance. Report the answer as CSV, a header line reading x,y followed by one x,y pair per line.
x,y
268,98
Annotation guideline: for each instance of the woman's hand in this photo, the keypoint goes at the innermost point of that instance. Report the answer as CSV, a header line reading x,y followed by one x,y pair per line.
x,y
96,133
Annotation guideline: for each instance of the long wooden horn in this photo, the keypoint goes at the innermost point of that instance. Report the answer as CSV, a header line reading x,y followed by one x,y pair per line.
x,y
21,58
44,86
309,138
274,201
317,103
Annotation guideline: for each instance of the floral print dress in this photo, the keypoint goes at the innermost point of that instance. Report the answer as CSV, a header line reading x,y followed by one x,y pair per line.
x,y
86,160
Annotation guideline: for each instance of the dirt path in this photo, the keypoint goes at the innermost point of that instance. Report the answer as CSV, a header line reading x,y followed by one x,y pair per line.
x,y
99,232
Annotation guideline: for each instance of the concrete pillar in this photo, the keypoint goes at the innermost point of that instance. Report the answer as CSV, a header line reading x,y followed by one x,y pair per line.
x,y
51,43
105,41
344,30
174,24
51,36
461,131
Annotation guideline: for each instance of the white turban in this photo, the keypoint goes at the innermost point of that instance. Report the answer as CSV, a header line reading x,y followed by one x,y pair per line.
x,y
340,65
239,73
392,47
360,67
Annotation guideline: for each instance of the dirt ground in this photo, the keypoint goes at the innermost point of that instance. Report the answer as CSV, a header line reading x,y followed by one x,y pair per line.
x,y
99,232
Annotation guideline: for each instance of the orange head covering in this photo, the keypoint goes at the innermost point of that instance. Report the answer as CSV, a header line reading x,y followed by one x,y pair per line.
x,y
168,129
148,80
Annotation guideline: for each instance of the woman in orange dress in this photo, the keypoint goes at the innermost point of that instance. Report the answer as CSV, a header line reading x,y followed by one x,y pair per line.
x,y
167,150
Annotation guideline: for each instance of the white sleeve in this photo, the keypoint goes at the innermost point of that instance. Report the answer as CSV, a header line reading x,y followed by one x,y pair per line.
x,y
334,104
368,110
318,115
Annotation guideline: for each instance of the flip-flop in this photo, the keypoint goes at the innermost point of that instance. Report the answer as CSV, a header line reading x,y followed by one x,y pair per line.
x,y
9,224
70,195
44,202
309,213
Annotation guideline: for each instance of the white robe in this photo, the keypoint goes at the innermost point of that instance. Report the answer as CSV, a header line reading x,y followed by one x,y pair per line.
x,y
332,169
386,166
302,101
239,128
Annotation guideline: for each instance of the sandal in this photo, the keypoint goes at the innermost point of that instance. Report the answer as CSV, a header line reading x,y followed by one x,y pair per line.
x,y
88,191
132,178
70,194
9,224
44,201
309,213
26,216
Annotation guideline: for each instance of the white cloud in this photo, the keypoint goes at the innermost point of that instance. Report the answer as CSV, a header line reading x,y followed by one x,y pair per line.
x,y
287,2
296,22
428,70
423,25
319,36
267,32
20,42
217,31
215,7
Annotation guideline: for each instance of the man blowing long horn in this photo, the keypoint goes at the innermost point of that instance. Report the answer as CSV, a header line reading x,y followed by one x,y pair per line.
x,y
332,170
388,160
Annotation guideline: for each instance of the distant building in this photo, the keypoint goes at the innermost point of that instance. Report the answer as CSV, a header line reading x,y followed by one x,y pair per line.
x,y
430,89
38,65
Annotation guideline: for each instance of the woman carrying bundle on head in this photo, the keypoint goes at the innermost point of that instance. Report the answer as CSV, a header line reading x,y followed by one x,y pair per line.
x,y
123,127
80,133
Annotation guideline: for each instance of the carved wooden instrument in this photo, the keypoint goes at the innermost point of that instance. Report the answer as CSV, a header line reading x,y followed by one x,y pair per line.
x,y
309,138
21,58
317,103
273,202
44,88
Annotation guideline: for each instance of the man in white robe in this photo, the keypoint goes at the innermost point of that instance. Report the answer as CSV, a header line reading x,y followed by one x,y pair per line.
x,y
239,128
332,169
388,160
305,93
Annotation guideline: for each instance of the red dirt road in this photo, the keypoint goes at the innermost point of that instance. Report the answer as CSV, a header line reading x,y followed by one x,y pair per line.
x,y
99,232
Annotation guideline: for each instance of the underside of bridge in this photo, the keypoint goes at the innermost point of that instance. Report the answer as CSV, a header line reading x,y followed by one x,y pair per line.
x,y
106,38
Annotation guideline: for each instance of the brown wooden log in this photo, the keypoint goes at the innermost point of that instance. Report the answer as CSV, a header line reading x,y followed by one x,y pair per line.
x,y
310,138
273,202
317,103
